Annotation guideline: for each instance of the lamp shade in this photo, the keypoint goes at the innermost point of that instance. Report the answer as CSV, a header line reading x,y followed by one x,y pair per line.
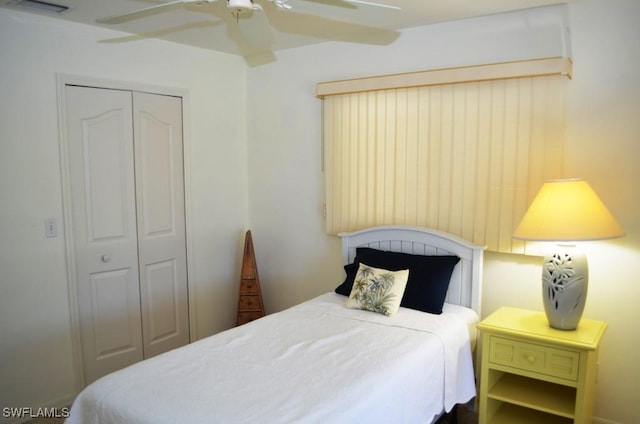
x,y
567,210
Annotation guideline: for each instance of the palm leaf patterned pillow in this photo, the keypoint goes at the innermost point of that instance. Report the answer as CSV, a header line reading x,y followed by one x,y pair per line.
x,y
377,290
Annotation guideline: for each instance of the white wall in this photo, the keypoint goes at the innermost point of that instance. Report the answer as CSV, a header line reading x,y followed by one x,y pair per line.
x,y
297,260
282,184
35,337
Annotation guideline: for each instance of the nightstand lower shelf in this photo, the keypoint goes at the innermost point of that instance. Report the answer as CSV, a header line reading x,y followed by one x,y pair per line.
x,y
510,414
535,394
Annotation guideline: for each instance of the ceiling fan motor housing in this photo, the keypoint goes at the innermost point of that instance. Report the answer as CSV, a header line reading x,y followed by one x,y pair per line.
x,y
240,6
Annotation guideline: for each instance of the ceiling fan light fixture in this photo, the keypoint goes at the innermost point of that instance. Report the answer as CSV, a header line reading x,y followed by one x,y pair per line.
x,y
240,6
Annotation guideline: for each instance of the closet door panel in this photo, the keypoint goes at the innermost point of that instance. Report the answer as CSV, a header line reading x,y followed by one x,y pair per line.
x,y
100,153
161,221
111,297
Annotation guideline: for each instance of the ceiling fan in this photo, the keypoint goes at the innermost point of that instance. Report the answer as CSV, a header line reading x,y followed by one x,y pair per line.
x,y
248,14
236,7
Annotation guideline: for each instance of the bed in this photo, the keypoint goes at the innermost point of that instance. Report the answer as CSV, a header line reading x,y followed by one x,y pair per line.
x,y
319,361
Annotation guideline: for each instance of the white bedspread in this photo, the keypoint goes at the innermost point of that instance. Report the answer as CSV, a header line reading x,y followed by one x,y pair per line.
x,y
317,362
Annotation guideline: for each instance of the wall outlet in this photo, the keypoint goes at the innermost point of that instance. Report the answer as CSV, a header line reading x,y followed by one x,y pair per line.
x,y
50,227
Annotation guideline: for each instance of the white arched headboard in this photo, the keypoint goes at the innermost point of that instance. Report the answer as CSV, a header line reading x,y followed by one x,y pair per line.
x,y
465,287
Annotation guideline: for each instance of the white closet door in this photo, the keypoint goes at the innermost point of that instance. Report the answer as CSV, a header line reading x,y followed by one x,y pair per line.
x,y
127,195
101,164
161,221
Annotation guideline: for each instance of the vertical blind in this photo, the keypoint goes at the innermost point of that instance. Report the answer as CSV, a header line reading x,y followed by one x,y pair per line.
x,y
465,158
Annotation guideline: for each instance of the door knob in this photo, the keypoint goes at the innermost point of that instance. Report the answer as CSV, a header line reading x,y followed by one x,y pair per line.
x,y
105,258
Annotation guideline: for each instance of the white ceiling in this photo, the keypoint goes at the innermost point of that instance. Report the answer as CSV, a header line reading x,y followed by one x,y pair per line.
x,y
212,26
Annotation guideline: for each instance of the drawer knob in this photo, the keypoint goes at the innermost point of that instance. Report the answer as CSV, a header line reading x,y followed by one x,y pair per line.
x,y
531,359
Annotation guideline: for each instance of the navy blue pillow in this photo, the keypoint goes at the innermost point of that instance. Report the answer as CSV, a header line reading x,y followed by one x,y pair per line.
x,y
429,276
346,286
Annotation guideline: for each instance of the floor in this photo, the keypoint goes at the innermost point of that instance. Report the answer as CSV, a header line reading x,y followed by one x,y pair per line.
x,y
464,416
46,421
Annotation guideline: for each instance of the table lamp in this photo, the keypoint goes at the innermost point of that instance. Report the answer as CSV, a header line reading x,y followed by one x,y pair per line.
x,y
566,211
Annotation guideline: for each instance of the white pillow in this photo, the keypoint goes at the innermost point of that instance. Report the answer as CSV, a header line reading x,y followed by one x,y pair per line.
x,y
377,290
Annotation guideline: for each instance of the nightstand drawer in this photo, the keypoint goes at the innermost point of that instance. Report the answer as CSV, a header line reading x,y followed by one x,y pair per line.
x,y
559,363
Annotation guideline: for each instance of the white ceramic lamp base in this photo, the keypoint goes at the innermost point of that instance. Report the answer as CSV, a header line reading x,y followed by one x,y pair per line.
x,y
565,277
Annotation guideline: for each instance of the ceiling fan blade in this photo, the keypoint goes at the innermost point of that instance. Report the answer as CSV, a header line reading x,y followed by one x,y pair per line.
x,y
255,29
313,25
159,33
350,4
368,3
140,13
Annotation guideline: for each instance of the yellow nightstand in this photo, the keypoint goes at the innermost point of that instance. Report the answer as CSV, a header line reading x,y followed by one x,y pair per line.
x,y
532,373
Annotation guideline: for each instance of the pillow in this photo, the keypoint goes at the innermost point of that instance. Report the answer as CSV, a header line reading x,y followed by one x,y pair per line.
x,y
346,286
377,290
428,282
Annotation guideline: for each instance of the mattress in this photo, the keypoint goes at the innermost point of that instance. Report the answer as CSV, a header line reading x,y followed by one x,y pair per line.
x,y
468,316
317,362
